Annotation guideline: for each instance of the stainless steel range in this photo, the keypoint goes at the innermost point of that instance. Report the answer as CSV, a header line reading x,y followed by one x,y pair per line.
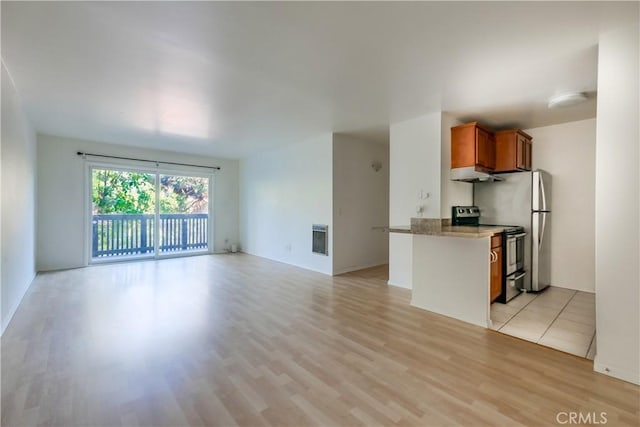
x,y
513,246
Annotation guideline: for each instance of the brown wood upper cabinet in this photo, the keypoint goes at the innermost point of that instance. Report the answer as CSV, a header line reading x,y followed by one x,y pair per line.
x,y
473,145
513,151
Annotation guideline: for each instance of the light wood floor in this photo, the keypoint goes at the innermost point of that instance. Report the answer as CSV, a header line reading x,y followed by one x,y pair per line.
x,y
239,340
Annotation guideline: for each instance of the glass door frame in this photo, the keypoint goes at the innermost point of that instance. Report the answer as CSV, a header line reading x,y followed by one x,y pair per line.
x,y
133,166
210,234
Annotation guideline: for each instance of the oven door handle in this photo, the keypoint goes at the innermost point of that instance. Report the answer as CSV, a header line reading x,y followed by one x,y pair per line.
x,y
515,236
519,276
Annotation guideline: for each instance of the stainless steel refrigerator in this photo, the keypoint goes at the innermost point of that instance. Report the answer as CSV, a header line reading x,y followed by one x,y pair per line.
x,y
522,198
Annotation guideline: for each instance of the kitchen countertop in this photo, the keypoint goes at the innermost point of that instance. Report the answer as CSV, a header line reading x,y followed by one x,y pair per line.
x,y
449,230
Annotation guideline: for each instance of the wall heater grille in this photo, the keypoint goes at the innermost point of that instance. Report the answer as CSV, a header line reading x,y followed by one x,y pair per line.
x,y
320,239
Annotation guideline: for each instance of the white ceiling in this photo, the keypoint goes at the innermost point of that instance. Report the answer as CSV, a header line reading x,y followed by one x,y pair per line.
x,y
229,79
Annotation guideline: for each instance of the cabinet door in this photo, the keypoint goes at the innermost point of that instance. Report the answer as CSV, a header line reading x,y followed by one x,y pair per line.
x,y
527,155
496,273
463,146
508,153
521,152
485,149
491,152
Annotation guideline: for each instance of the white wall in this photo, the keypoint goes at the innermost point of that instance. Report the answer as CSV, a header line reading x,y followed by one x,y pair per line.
x,y
618,205
452,193
62,201
401,260
360,202
282,193
441,286
568,152
415,147
415,166
18,148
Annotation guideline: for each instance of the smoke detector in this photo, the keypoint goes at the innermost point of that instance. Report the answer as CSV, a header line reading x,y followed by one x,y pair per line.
x,y
567,99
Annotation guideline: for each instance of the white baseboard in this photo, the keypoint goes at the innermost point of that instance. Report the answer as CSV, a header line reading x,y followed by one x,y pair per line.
x,y
357,267
612,371
14,308
397,285
574,288
304,267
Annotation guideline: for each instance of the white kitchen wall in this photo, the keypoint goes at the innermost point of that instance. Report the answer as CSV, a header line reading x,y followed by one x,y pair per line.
x,y
62,200
452,193
360,202
415,171
568,152
617,203
18,149
282,193
415,147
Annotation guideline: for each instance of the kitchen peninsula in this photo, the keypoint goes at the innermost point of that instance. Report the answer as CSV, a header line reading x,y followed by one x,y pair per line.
x,y
451,268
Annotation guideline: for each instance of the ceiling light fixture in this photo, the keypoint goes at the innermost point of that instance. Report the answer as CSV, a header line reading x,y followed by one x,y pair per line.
x,y
567,99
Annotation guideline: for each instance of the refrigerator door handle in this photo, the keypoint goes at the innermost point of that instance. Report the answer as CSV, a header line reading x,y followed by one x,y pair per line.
x,y
542,193
544,223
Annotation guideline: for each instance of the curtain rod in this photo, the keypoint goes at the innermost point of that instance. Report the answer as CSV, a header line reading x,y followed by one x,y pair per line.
x,y
80,153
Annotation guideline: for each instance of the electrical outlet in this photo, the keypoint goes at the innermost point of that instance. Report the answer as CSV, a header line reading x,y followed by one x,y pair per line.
x,y
422,195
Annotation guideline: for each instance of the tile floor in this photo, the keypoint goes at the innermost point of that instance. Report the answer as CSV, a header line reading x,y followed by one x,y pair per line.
x,y
559,318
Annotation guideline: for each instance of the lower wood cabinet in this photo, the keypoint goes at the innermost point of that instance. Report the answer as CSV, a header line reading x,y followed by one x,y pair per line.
x,y
495,288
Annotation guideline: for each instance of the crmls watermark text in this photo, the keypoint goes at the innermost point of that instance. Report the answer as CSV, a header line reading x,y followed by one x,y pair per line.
x,y
572,417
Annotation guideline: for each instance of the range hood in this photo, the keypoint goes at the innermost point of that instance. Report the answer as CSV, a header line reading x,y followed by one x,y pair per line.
x,y
471,174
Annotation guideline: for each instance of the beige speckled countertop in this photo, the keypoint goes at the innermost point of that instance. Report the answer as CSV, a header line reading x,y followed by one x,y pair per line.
x,y
435,229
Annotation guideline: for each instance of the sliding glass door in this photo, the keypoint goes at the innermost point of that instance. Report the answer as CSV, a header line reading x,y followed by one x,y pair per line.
x,y
184,214
136,213
123,213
